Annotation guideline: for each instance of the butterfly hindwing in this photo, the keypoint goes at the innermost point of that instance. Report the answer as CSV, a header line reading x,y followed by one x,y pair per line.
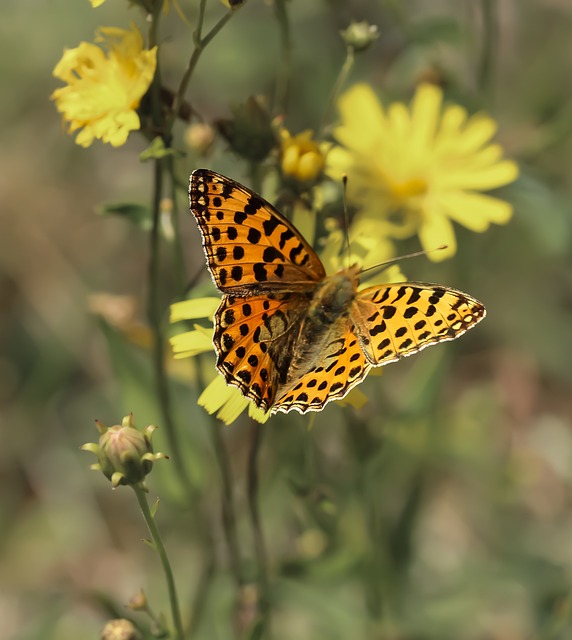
x,y
254,338
342,366
248,243
401,319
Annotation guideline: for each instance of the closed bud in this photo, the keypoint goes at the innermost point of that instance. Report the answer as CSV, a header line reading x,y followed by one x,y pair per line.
x,y
249,133
125,454
139,602
360,35
302,158
199,136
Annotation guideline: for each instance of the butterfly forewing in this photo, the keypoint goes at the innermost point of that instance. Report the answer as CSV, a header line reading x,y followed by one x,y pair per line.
x,y
247,242
398,320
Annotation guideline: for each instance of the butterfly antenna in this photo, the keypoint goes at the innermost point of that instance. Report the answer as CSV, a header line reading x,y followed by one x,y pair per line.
x,y
384,265
346,218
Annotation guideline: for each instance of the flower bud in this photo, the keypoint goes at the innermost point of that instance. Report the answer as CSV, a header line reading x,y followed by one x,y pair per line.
x,y
360,35
249,132
120,629
199,136
125,454
139,602
301,157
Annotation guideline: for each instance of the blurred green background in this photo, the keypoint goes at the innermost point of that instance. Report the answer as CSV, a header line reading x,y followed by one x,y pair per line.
x,y
442,509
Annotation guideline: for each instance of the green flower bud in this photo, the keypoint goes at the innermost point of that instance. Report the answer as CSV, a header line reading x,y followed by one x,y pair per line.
x,y
120,629
360,35
139,602
125,454
249,132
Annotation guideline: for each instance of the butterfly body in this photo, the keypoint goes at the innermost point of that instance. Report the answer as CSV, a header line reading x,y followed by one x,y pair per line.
x,y
286,334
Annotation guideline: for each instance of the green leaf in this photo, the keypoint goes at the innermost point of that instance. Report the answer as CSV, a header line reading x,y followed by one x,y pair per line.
x,y
138,214
157,150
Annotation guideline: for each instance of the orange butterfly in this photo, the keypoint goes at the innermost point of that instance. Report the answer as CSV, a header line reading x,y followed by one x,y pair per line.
x,y
286,334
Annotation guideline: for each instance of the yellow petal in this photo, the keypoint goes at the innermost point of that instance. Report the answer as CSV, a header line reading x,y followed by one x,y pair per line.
x,y
191,343
233,407
338,162
478,131
362,117
425,110
356,398
475,210
435,231
305,221
216,394
196,308
257,414
483,179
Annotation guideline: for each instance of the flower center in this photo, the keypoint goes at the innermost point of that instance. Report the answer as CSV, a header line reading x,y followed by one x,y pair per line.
x,y
406,190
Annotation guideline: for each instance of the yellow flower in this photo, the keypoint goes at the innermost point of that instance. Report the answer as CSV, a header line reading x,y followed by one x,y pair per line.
x,y
301,157
96,3
417,169
103,91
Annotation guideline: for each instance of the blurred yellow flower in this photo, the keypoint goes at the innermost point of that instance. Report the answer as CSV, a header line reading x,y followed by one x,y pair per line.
x,y
103,91
301,157
96,3
417,169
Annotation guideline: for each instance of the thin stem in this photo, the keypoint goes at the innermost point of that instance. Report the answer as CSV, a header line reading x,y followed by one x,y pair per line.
x,y
338,84
200,600
155,315
228,513
285,72
154,305
489,46
160,548
200,45
259,543
175,220
375,573
255,173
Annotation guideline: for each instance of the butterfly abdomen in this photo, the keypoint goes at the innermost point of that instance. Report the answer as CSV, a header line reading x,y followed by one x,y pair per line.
x,y
330,305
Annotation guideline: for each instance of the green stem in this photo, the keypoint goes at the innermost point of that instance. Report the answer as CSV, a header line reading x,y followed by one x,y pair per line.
x,y
377,565
285,71
160,548
228,514
255,173
175,220
155,315
201,594
338,84
154,305
489,47
259,543
200,45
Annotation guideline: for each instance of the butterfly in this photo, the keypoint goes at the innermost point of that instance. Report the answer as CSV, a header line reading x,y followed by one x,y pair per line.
x,y
285,333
